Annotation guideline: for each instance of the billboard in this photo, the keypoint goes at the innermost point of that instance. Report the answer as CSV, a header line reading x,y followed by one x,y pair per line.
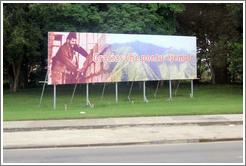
x,y
100,57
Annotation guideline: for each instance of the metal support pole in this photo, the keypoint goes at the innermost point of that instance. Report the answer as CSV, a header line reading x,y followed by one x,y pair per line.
x,y
73,93
129,99
116,92
54,97
170,89
87,94
191,95
103,91
144,91
144,94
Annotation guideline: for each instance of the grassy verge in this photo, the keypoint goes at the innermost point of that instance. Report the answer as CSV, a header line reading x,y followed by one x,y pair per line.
x,y
208,99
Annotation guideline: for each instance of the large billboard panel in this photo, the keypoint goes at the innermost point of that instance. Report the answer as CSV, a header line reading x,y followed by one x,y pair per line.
x,y
100,57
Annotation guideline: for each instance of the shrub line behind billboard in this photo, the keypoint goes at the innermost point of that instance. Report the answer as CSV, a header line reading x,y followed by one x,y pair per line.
x,y
100,57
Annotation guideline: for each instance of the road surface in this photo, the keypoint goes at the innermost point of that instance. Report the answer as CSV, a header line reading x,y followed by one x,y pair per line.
x,y
216,152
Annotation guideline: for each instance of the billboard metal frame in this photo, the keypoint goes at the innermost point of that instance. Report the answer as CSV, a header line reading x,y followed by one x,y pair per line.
x,y
116,92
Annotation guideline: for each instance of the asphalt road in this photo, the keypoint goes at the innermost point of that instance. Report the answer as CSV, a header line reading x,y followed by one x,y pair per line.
x,y
216,152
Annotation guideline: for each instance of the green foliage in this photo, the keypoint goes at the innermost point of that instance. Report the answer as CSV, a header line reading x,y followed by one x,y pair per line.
x,y
21,35
215,25
21,43
235,60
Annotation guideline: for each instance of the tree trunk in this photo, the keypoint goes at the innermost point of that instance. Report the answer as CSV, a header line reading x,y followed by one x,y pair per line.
x,y
11,77
213,78
233,78
175,83
140,84
162,84
221,76
23,77
213,74
16,71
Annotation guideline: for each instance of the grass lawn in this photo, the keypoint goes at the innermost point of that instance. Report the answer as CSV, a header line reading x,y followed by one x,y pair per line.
x,y
208,99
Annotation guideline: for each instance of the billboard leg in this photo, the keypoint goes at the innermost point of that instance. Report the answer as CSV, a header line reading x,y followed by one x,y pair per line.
x,y
103,91
54,97
87,97
156,89
144,94
87,94
129,99
116,92
191,94
170,89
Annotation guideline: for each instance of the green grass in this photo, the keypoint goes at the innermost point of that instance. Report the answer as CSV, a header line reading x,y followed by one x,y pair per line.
x,y
208,99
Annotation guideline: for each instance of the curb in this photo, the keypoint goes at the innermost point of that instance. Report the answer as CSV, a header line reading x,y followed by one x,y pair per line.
x,y
121,125
179,141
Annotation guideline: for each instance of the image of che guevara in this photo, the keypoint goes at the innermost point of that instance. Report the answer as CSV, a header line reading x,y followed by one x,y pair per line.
x,y
65,65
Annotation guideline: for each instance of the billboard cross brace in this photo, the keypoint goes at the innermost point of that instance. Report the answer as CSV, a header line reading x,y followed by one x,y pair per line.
x,y
73,93
103,91
177,88
129,99
156,89
41,98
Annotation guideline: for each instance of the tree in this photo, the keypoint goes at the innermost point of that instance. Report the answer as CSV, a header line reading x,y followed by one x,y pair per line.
x,y
235,58
20,43
26,26
215,27
235,62
24,32
139,18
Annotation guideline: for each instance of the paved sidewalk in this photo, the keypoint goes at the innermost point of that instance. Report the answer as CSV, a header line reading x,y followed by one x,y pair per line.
x,y
122,131
120,122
